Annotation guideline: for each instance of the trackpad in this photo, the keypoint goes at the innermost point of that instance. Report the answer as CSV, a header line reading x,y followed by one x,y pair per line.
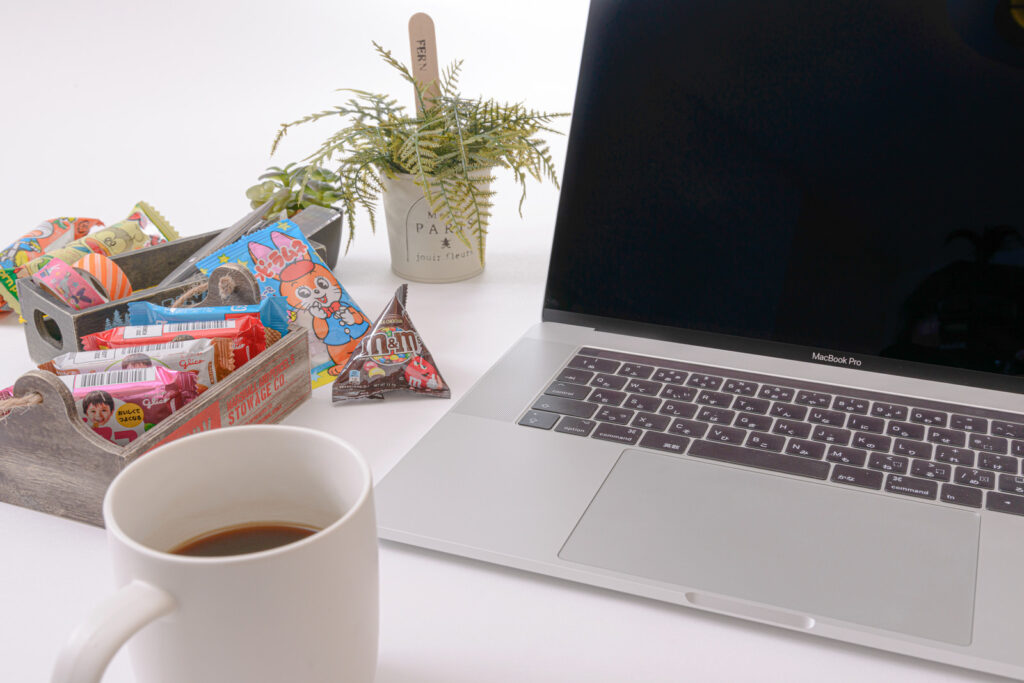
x,y
825,551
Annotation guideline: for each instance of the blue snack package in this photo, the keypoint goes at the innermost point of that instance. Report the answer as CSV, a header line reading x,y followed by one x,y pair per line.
x,y
286,265
273,313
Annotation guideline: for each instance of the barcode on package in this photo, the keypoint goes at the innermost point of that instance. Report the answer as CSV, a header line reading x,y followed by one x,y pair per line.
x,y
96,379
112,354
199,325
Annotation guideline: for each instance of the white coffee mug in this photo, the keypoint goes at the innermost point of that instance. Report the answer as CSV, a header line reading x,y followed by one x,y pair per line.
x,y
306,611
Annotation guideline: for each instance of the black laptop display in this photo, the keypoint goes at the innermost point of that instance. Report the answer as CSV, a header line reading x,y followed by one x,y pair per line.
x,y
849,192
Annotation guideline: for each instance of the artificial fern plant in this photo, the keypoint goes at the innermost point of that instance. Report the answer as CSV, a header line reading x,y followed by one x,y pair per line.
x,y
450,147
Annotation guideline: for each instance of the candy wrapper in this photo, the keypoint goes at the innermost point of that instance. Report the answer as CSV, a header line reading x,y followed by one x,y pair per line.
x,y
53,234
122,405
207,360
392,356
286,265
116,239
246,336
272,312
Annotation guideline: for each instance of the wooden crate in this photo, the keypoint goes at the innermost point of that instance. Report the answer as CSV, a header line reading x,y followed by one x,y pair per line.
x,y
53,328
52,462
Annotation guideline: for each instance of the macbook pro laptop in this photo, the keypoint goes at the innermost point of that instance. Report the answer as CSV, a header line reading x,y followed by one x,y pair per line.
x,y
779,369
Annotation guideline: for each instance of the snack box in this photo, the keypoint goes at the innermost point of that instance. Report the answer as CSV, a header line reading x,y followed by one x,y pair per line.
x,y
52,327
51,461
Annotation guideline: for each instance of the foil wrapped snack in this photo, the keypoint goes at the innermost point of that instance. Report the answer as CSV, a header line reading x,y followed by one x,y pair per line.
x,y
272,312
391,356
286,265
210,360
122,405
246,336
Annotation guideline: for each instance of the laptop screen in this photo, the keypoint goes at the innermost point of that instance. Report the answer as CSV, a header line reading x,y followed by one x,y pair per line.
x,y
833,182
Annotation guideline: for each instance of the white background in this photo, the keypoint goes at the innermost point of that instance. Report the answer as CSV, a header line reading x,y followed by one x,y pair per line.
x,y
108,103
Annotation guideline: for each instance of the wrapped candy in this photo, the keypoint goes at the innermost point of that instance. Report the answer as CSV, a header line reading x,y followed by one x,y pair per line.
x,y
391,356
272,312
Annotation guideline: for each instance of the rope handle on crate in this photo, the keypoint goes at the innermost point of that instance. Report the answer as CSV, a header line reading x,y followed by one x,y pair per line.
x,y
9,404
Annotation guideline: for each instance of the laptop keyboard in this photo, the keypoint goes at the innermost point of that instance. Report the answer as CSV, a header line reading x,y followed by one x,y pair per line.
x,y
955,454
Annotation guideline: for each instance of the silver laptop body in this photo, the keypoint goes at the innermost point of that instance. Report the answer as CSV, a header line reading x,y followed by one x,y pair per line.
x,y
892,518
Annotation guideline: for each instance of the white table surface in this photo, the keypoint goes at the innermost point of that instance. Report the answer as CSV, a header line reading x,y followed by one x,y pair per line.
x,y
109,102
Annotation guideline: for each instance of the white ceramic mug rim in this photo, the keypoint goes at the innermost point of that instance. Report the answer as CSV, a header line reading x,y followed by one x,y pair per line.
x,y
115,529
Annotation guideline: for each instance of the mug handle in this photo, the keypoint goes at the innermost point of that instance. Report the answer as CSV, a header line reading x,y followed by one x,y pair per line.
x,y
93,644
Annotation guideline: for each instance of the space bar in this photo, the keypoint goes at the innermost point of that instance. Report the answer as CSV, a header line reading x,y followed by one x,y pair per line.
x,y
790,464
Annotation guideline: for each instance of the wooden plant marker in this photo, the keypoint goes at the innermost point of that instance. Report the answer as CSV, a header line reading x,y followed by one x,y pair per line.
x,y
423,45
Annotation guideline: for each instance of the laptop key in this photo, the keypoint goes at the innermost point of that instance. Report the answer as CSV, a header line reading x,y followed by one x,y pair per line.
x,y
678,393
846,455
761,423
676,409
855,476
805,449
913,449
670,376
905,430
872,442
766,460
609,381
989,444
597,364
566,390
647,403
788,411
813,398
946,437
831,435
864,423
617,433
961,495
766,442
909,486
738,386
773,393
649,421
714,398
1011,484
1008,429
751,405
689,428
1004,502
716,415
931,470
969,423
997,463
972,477
934,418
702,381
954,455
888,463
850,405
642,386
607,397
665,442
826,417
565,406
538,419
575,425
575,375
726,434
636,370
616,415
790,428
1017,448
889,411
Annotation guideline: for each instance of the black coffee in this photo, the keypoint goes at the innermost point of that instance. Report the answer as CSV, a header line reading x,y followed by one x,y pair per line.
x,y
243,538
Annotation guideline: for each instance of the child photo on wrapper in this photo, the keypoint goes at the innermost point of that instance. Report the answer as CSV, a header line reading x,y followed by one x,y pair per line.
x,y
98,406
136,360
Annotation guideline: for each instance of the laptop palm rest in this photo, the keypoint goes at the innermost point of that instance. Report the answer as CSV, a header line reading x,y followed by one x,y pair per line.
x,y
825,551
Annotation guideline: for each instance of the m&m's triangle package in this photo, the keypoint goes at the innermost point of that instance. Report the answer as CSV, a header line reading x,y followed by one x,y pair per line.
x,y
286,265
392,356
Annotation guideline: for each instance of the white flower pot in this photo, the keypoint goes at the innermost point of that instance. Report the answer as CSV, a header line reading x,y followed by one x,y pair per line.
x,y
423,247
